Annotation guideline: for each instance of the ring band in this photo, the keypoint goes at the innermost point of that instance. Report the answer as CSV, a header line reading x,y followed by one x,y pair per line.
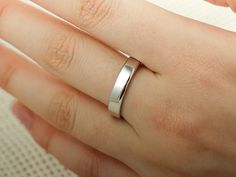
x,y
121,86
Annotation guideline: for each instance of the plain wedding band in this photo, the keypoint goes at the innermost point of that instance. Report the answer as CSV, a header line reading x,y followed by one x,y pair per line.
x,y
121,86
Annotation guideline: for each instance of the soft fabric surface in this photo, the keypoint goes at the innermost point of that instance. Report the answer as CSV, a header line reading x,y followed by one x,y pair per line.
x,y
20,156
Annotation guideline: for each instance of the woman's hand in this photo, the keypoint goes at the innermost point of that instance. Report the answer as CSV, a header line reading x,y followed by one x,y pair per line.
x,y
179,111
230,3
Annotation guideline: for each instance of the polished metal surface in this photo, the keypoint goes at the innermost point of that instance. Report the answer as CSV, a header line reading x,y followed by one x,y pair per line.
x,y
121,85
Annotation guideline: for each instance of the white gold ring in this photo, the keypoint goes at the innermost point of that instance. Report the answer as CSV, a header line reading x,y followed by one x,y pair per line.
x,y
121,86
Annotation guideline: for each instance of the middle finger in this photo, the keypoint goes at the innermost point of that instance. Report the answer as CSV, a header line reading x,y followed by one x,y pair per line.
x,y
60,49
72,55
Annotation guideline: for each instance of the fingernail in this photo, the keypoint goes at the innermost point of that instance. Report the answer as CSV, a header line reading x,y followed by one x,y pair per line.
x,y
24,115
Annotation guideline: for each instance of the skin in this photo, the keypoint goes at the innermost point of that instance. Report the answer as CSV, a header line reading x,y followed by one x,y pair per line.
x,y
179,111
227,3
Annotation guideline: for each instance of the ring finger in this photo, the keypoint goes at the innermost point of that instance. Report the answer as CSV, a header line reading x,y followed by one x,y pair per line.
x,y
78,59
64,107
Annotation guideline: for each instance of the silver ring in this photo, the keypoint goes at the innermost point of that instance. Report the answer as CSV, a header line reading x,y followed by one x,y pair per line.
x,y
121,86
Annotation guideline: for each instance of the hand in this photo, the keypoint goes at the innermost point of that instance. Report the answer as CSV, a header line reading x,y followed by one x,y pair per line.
x,y
230,3
179,111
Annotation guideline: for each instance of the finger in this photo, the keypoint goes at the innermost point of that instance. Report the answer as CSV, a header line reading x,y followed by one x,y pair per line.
x,y
129,26
158,38
218,2
226,3
232,4
65,52
61,50
82,159
64,107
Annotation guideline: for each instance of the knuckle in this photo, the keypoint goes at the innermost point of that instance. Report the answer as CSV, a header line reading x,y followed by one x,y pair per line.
x,y
3,8
203,74
7,74
174,119
100,129
210,75
93,169
206,77
92,12
62,110
7,9
61,52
